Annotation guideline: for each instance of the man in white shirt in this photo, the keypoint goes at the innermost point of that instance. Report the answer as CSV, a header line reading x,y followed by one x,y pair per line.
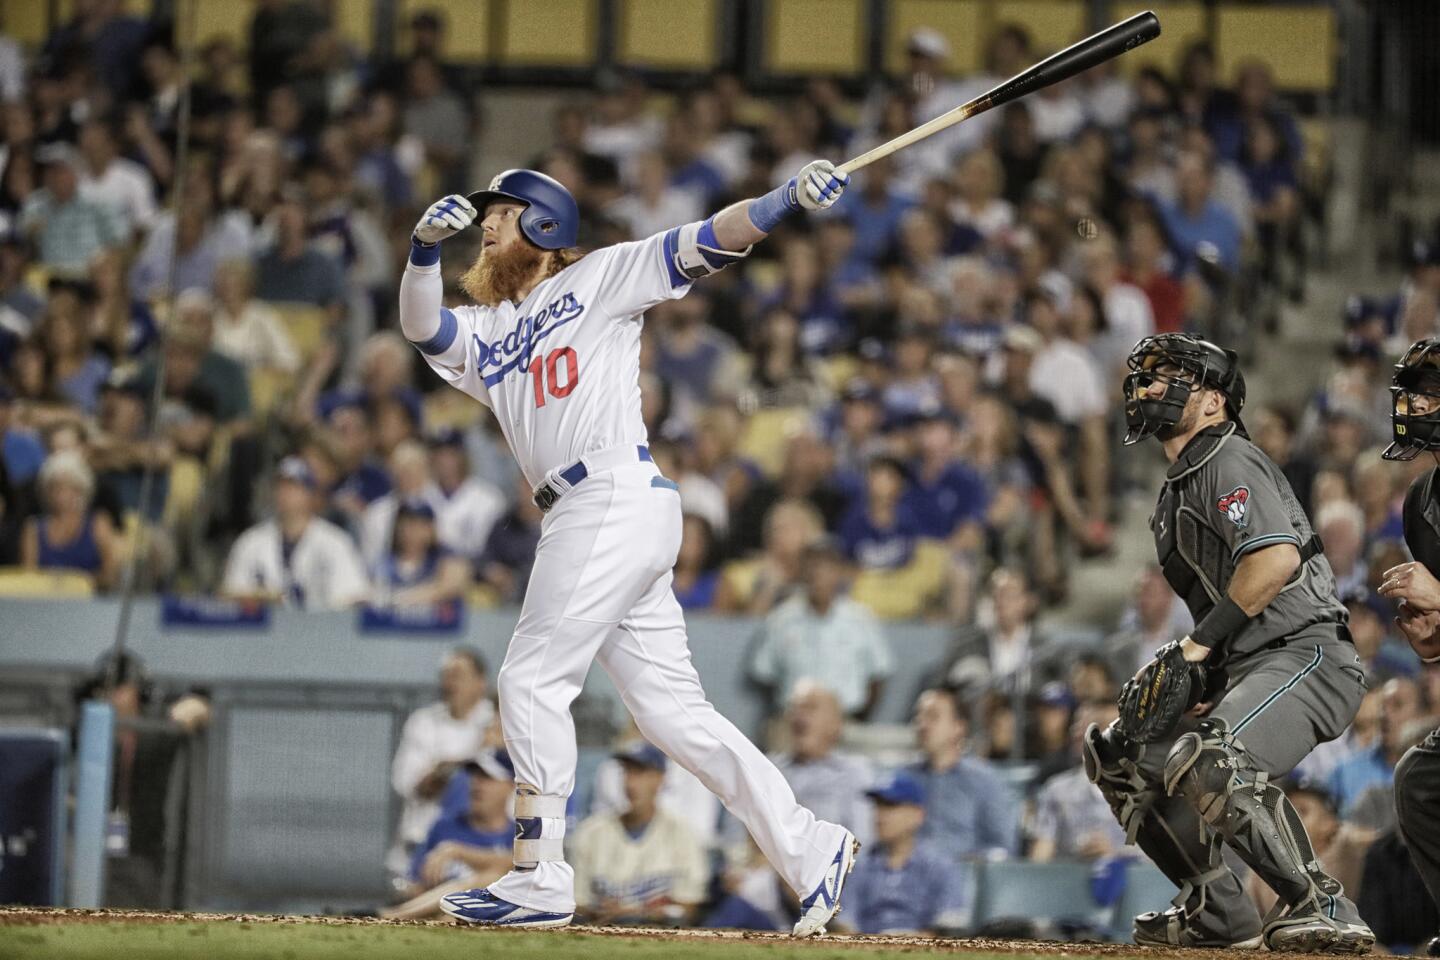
x,y
296,558
466,506
437,739
108,178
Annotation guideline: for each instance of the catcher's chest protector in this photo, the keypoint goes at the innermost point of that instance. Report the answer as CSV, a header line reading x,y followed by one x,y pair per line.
x,y
1194,558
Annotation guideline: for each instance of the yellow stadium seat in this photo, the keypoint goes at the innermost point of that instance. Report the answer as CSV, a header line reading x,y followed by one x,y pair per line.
x,y
668,35
1297,42
564,37
354,21
1052,24
268,388
766,433
815,36
909,591
187,485
447,409
308,326
467,26
739,577
59,584
1181,24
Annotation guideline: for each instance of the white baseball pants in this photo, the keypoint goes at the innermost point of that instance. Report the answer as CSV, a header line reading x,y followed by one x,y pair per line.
x,y
601,590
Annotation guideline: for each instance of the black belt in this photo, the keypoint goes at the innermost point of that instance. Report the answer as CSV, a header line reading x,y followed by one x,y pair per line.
x,y
547,495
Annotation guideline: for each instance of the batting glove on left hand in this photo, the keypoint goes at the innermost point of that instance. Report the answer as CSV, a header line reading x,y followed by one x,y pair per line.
x,y
445,218
820,184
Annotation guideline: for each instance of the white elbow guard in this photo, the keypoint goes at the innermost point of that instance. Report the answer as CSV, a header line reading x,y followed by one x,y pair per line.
x,y
698,254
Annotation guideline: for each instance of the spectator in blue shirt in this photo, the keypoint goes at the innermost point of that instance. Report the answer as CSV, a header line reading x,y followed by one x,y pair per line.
x,y
902,887
876,211
969,811
1400,706
1195,220
696,576
477,838
946,496
880,529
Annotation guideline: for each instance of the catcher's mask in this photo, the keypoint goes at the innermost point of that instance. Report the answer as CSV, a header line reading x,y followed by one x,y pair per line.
x,y
1415,384
1183,364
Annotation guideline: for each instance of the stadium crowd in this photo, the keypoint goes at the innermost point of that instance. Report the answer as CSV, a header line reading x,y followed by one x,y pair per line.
x,y
906,408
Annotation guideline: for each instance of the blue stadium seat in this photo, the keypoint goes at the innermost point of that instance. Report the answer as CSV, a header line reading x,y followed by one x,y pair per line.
x,y
1050,893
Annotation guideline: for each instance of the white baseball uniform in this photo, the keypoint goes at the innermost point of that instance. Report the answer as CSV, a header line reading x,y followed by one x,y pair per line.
x,y
561,370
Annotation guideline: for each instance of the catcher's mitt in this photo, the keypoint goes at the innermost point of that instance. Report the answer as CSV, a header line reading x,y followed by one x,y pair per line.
x,y
1153,701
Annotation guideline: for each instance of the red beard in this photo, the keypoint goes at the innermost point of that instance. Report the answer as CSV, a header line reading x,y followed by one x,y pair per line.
x,y
496,277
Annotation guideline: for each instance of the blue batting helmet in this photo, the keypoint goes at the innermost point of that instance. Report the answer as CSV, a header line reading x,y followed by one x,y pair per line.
x,y
551,219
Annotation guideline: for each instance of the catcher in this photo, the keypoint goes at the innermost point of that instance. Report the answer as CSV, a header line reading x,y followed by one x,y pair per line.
x,y
1415,419
1268,672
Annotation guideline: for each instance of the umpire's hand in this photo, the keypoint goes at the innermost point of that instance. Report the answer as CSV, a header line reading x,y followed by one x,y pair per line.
x,y
1413,583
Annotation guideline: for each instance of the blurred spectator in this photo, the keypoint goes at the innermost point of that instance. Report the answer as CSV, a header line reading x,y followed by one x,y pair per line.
x,y
436,740
409,468
294,272
879,530
124,449
696,576
193,368
825,636
1198,225
654,206
67,228
105,36
467,507
980,203
969,811
682,794
473,844
1393,899
279,32
1072,821
297,558
643,865
1148,258
504,564
417,570
1062,371
434,115
828,781
1360,737
689,352
1341,525
904,887
947,496
20,306
75,369
21,451
1274,428
68,534
122,325
1400,705
108,178
247,330
757,585
1003,651
1154,618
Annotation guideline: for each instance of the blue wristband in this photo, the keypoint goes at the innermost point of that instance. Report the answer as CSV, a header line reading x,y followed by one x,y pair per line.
x,y
424,254
767,211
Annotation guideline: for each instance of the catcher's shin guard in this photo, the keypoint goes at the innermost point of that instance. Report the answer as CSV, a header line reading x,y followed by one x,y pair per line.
x,y
1212,770
1211,909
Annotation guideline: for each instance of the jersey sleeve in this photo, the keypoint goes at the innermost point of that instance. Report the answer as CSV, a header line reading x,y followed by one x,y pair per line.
x,y
635,276
1244,504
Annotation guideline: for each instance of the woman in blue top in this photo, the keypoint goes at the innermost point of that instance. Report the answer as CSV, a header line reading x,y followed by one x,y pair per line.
x,y
695,572
417,571
68,534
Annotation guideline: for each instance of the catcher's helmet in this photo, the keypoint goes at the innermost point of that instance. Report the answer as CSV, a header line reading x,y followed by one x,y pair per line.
x,y
1201,363
1417,374
551,219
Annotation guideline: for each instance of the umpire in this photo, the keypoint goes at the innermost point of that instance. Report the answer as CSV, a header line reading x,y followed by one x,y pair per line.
x,y
1415,420
1268,672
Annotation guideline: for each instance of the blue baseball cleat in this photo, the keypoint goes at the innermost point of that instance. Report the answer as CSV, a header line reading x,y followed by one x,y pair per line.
x,y
820,907
483,907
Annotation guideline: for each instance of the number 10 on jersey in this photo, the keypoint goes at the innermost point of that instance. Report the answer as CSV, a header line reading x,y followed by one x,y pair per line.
x,y
548,376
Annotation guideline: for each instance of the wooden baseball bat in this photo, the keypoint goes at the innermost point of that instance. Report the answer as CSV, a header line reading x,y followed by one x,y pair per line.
x,y
1077,58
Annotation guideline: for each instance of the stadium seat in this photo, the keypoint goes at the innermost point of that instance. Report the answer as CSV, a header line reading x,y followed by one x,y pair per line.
x,y
57,584
1297,42
766,434
668,35
908,591
267,389
815,36
1146,888
307,325
1053,892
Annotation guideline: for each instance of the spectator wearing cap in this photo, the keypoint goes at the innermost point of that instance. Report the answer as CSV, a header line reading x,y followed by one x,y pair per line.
x,y
248,330
475,842
643,865
690,353
417,570
946,496
467,507
435,741
69,534
107,178
1072,821
68,229
879,530
296,558
855,432
969,811
904,886
824,636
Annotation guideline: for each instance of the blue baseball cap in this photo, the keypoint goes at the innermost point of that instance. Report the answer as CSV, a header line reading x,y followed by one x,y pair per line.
x,y
899,787
643,753
296,470
415,507
494,764
1056,694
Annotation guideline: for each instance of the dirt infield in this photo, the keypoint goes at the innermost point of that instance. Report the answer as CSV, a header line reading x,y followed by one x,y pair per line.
x,y
39,932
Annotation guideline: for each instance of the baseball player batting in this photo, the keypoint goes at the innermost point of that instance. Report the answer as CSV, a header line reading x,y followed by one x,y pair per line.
x,y
1268,672
1415,425
552,347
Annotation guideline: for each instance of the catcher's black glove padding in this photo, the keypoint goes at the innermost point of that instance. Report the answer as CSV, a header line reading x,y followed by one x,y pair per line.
x,y
1152,702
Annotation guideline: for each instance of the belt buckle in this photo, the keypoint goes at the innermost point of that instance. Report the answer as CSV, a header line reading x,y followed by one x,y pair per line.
x,y
545,497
